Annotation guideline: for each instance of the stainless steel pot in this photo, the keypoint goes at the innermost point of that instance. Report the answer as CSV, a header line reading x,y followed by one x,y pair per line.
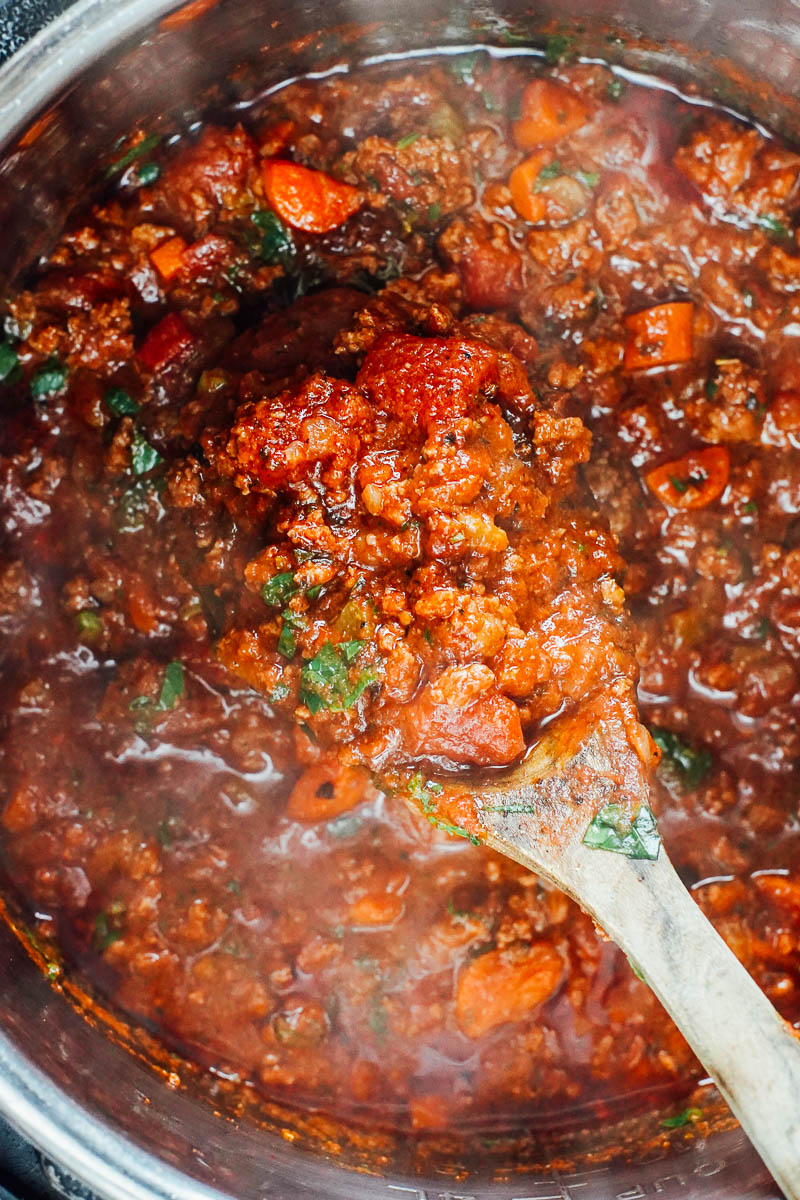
x,y
93,1107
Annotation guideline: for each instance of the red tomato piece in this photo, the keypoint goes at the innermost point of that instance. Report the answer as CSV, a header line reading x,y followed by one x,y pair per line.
x,y
170,339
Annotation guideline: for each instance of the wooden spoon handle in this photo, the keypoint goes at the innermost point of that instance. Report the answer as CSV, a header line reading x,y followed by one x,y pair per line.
x,y
748,1049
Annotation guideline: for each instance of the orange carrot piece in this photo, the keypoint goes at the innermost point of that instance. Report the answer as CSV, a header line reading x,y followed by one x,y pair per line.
x,y
694,481
306,199
496,988
548,112
528,203
376,908
326,790
659,336
188,13
780,889
167,258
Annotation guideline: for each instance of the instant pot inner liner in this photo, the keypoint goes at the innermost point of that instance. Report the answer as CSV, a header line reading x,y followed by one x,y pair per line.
x,y
227,57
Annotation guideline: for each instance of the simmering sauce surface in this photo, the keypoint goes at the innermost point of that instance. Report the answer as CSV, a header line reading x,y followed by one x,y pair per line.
x,y
364,437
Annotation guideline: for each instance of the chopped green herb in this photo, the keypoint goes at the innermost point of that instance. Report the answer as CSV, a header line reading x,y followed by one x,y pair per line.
x,y
611,829
280,588
8,361
121,404
551,171
760,629
164,835
434,212
687,1117
615,89
589,179
774,226
750,508
325,680
173,687
408,140
90,626
463,67
278,693
422,791
313,592
295,620
50,380
143,456
287,643
711,388
277,245
148,173
428,636
138,151
637,970
234,886
557,48
690,763
106,932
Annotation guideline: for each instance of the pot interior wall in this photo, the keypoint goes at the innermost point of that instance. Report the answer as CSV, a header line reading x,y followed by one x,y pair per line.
x,y
177,71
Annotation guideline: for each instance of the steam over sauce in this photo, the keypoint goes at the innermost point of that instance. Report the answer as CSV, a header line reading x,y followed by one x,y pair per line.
x,y
336,442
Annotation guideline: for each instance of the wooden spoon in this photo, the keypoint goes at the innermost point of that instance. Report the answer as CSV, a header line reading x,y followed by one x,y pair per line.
x,y
540,813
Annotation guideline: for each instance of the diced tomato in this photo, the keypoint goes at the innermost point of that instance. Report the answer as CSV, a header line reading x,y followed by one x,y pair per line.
x,y
499,987
167,258
170,339
548,112
306,199
659,336
693,481
528,203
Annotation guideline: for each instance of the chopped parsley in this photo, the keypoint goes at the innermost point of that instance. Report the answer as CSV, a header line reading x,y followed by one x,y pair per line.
x,y
690,764
687,1117
148,173
434,212
120,404
551,171
408,140
173,687
280,588
463,67
589,179
8,361
615,88
50,380
138,151
277,245
422,791
287,643
106,927
611,829
557,48
143,456
750,508
90,626
774,226
325,681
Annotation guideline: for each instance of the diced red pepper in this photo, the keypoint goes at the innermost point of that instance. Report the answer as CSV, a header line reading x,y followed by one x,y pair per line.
x,y
167,341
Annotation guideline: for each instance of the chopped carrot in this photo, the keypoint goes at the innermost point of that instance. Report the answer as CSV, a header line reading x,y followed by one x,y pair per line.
x,y
659,336
376,908
693,481
187,13
497,987
528,203
167,341
325,790
429,1112
141,606
548,111
306,199
780,889
167,258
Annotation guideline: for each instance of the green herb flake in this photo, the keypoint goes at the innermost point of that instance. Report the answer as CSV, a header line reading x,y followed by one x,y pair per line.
x,y
234,887
287,643
105,931
90,626
615,88
279,589
422,791
588,179
50,380
173,688
138,151
760,629
409,139
751,508
120,404
551,171
557,48
712,388
325,681
350,649
278,693
314,592
143,456
774,226
688,1117
463,67
611,829
277,246
148,173
8,361
434,212
690,763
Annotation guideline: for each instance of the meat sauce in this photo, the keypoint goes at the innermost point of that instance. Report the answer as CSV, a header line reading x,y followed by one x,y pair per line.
x,y
339,437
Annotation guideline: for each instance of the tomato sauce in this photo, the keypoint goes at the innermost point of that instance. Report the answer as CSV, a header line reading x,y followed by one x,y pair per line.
x,y
354,440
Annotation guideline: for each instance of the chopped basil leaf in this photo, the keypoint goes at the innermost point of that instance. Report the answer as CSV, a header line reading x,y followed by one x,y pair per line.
x,y
294,620
690,763
551,171
434,212
277,245
8,361
278,693
138,151
121,404
89,624
615,89
105,932
50,380
325,680
589,179
611,829
750,508
280,588
423,790
143,456
408,140
711,388
687,1117
556,48
287,645
148,173
313,592
173,687
774,226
